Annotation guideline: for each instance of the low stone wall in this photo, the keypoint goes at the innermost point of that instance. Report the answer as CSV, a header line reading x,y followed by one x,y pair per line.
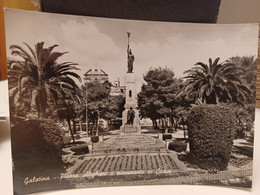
x,y
207,177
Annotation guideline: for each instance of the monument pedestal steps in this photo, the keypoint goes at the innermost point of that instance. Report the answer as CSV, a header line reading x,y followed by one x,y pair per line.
x,y
131,129
129,143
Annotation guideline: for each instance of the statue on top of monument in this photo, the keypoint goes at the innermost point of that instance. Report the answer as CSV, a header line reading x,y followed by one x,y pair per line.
x,y
130,57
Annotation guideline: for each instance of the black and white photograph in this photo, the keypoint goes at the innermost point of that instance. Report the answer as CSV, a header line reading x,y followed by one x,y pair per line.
x,y
98,102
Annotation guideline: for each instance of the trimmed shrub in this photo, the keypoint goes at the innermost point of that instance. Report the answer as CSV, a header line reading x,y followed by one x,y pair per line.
x,y
178,146
166,136
211,133
72,144
37,145
81,149
95,139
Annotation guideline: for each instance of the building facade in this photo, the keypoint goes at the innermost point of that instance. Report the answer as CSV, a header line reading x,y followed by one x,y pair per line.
x,y
95,74
99,75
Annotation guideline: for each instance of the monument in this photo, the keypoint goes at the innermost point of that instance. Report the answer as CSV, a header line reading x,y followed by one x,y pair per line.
x,y
130,116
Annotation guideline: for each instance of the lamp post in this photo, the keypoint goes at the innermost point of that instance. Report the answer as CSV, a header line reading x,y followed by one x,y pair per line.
x,y
86,107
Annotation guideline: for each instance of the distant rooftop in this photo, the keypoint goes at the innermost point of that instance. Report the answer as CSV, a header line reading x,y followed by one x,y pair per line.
x,y
95,74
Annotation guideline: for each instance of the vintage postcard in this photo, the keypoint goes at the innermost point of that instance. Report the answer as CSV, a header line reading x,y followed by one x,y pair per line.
x,y
108,102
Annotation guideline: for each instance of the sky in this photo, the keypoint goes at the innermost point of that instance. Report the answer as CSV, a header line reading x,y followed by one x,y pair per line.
x,y
98,42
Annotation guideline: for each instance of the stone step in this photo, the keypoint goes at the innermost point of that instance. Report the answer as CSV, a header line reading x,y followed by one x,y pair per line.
x,y
128,150
131,136
134,143
105,146
130,129
137,142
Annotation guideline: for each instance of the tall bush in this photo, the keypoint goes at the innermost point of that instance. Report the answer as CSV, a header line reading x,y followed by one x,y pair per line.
x,y
36,146
211,133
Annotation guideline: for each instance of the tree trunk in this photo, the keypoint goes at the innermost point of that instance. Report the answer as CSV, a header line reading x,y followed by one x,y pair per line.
x,y
74,126
109,124
163,123
171,120
88,130
80,125
174,122
175,125
92,129
39,114
71,132
184,133
97,132
87,121
211,99
155,123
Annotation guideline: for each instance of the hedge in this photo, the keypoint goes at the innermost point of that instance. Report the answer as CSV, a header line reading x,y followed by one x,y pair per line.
x,y
178,146
80,149
211,130
37,145
166,136
95,139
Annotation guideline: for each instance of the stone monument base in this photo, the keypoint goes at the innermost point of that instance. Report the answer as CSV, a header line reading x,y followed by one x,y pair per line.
x,y
135,127
130,129
136,121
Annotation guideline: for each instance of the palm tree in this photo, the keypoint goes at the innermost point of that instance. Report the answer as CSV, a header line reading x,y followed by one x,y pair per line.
x,y
214,83
39,78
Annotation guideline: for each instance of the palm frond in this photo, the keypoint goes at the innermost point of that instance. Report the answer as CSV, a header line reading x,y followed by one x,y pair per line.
x,y
32,51
17,50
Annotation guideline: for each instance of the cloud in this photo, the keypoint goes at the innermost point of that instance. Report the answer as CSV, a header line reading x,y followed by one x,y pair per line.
x,y
91,41
84,38
88,46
